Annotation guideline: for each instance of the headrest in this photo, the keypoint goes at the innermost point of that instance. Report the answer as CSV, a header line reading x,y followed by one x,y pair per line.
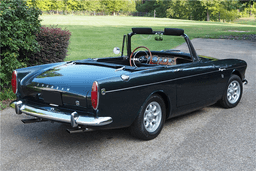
x,y
173,31
142,30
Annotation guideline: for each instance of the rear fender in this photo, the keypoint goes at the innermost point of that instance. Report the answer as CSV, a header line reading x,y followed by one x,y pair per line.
x,y
25,75
166,99
236,72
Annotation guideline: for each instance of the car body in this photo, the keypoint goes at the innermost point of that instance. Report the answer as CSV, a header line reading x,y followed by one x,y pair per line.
x,y
139,90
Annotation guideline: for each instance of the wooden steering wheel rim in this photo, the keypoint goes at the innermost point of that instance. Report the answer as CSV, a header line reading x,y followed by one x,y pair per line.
x,y
150,54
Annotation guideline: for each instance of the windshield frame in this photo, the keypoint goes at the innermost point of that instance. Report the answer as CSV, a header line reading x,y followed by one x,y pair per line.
x,y
167,31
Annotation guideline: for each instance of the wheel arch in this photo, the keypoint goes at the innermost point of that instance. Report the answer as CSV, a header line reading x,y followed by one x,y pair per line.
x,y
236,72
166,99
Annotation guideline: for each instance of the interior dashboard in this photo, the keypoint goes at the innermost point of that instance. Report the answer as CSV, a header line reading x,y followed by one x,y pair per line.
x,y
163,60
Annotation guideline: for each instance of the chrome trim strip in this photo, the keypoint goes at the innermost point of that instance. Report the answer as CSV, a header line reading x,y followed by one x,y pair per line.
x,y
110,91
63,116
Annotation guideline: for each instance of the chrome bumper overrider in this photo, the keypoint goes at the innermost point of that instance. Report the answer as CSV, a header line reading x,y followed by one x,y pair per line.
x,y
73,118
245,81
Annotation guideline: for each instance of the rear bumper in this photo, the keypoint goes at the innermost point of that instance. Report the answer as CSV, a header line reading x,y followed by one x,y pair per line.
x,y
50,113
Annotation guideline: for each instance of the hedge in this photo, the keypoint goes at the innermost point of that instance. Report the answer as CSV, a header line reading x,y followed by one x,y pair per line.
x,y
53,42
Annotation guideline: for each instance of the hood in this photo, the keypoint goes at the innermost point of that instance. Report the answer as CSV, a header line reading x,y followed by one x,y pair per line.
x,y
74,78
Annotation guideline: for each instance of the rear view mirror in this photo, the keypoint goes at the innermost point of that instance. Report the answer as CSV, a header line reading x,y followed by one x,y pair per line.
x,y
159,36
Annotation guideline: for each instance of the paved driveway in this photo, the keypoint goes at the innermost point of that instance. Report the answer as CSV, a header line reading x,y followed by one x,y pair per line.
x,y
212,138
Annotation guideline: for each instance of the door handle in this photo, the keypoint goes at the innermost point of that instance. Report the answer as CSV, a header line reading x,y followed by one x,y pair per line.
x,y
222,69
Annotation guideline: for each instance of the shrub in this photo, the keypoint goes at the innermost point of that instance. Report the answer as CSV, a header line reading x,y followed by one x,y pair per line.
x,y
54,43
19,25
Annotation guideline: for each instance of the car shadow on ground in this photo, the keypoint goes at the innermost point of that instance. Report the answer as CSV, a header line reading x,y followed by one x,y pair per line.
x,y
55,133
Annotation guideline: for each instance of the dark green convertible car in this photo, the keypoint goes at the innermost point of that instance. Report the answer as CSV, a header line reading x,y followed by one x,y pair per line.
x,y
146,84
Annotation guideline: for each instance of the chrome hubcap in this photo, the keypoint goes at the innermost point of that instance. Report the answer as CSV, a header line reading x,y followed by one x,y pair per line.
x,y
234,91
152,116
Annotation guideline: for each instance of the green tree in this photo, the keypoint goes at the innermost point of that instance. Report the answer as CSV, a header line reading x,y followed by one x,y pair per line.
x,y
19,26
72,5
249,7
197,11
129,6
212,7
57,5
94,5
112,5
179,9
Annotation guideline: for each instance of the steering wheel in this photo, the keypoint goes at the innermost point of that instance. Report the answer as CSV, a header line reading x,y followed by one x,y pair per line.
x,y
150,54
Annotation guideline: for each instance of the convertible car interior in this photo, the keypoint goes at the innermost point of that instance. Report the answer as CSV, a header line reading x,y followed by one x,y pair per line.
x,y
146,55
158,58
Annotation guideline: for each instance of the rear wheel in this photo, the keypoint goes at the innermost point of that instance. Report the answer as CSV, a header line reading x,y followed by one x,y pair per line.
x,y
150,121
233,92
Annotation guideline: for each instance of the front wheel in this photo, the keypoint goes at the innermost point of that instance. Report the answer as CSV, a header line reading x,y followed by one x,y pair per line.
x,y
233,92
150,121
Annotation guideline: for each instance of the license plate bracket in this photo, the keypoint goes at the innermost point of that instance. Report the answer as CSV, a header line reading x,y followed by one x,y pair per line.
x,y
52,97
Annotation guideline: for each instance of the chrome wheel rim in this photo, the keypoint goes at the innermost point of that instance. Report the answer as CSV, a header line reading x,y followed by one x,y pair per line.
x,y
234,91
152,116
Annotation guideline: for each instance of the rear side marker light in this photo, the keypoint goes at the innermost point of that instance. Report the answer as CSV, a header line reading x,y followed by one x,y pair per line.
x,y
95,95
14,81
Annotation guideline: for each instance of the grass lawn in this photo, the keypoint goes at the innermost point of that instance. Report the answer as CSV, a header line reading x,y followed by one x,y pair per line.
x,y
96,36
249,21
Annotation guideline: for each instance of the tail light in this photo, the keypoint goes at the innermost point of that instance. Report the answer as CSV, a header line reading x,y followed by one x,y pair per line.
x,y
14,82
94,95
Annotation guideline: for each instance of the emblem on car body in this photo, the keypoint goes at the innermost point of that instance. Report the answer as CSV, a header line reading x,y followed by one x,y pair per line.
x,y
42,86
103,91
77,103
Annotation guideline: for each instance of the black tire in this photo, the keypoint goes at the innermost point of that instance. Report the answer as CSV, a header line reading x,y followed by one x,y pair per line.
x,y
151,118
233,92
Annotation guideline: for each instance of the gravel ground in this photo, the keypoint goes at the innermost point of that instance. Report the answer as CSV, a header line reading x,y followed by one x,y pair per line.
x,y
212,138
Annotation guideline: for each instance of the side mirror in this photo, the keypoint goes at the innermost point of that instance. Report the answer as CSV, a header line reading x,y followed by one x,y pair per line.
x,y
116,50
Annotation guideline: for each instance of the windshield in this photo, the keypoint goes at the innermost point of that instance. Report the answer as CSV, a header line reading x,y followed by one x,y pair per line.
x,y
159,42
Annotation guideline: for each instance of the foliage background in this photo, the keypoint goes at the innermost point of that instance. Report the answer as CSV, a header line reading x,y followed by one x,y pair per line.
x,y
202,10
24,42
19,24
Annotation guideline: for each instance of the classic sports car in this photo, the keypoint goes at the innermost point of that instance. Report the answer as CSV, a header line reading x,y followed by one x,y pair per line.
x,y
139,90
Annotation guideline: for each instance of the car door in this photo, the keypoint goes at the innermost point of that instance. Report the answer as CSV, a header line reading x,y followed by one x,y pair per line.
x,y
197,83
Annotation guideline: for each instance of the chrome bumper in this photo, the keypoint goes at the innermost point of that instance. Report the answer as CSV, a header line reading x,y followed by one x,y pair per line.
x,y
50,114
245,81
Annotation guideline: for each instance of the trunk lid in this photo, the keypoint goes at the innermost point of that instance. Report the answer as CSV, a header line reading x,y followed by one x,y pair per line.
x,y
77,79
67,85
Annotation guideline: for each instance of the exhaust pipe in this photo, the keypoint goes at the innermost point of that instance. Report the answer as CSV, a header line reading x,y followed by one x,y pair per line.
x,y
79,130
34,120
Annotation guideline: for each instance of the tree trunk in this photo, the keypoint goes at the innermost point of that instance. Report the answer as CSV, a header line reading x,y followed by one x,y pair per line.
x,y
250,12
219,16
208,15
